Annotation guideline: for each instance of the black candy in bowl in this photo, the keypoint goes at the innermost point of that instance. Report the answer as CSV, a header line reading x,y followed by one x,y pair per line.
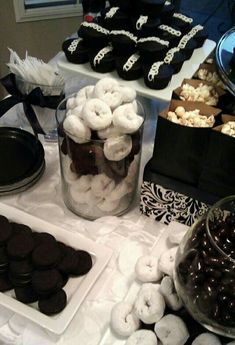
x,y
205,269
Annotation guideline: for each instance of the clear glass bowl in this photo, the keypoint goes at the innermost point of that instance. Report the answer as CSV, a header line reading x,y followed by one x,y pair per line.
x,y
205,269
92,185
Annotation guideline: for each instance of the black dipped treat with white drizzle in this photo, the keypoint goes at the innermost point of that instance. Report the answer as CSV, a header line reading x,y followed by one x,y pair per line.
x,y
144,26
129,68
125,5
170,34
75,50
187,45
175,58
95,36
199,34
116,19
103,61
181,22
151,8
167,12
158,75
124,42
152,49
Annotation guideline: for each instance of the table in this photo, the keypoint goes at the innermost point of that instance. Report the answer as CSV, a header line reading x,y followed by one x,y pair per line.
x,y
132,233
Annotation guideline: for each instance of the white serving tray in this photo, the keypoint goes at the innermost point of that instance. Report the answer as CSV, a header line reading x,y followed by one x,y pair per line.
x,y
187,71
76,288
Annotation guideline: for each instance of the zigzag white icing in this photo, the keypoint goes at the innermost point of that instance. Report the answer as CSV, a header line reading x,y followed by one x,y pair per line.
x,y
73,45
95,27
130,62
183,17
123,32
154,70
195,30
154,39
170,55
170,30
184,40
101,54
140,22
111,12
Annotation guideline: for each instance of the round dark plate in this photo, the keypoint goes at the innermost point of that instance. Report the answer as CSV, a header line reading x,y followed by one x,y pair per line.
x,y
21,158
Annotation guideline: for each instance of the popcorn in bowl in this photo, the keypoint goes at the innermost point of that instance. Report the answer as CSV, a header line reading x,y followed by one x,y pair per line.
x,y
191,118
210,76
203,93
229,128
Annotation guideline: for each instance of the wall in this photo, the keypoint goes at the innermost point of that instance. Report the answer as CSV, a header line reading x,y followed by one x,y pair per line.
x,y
42,39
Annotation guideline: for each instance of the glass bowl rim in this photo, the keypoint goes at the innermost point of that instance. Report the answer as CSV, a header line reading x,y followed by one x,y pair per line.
x,y
218,204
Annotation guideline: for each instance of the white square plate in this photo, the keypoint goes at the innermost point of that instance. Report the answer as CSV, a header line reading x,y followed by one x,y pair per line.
x,y
76,288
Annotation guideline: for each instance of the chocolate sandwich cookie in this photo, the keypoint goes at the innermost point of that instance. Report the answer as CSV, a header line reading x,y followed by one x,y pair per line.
x,y
20,229
5,230
43,237
103,60
76,263
46,255
53,304
5,283
18,281
26,294
46,282
129,68
20,246
75,50
21,268
3,260
158,75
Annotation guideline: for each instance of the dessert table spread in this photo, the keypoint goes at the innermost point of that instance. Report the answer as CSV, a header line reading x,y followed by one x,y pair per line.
x,y
129,236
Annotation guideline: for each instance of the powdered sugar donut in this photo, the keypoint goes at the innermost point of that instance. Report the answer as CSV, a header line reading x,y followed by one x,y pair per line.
x,y
115,149
77,111
125,118
206,339
121,189
123,320
86,92
128,94
76,129
171,330
83,183
167,289
167,261
96,114
142,337
109,132
146,269
101,184
109,91
149,305
71,103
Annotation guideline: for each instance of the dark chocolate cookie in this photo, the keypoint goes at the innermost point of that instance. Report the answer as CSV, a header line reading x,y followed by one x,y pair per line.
x,y
46,255
22,268
26,294
42,237
5,230
5,283
53,304
46,282
20,246
3,260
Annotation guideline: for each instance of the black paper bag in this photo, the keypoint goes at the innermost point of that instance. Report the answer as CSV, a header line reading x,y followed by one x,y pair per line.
x,y
179,151
218,174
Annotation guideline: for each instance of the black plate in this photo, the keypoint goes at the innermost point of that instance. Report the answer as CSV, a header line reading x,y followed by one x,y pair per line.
x,y
21,157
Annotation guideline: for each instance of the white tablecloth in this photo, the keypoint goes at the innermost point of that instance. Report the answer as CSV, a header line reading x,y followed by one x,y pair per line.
x,y
129,236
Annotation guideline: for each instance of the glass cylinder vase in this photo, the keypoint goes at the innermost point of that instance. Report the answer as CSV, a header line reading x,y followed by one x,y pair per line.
x,y
94,185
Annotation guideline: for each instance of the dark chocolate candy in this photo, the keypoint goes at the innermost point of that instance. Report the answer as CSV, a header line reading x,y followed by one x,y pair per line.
x,y
26,294
53,304
46,255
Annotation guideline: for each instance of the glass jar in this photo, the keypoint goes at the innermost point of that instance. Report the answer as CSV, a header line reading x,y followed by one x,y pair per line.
x,y
205,269
45,115
94,186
